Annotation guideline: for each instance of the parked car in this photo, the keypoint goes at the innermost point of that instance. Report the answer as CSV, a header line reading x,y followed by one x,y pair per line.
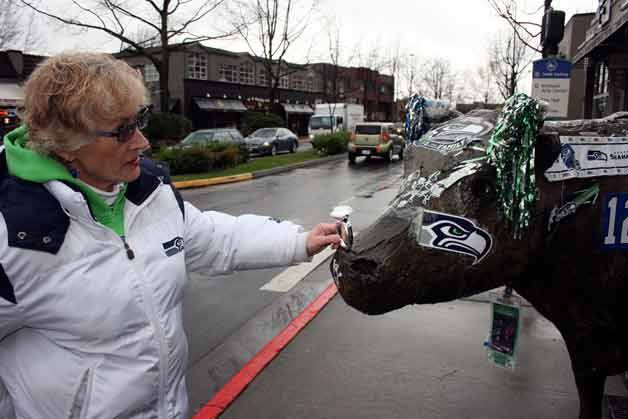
x,y
271,141
376,139
211,135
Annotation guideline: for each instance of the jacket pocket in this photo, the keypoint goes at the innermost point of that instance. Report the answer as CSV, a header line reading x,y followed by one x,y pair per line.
x,y
82,395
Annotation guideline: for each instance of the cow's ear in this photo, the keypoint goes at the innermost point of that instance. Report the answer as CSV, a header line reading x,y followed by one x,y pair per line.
x,y
546,152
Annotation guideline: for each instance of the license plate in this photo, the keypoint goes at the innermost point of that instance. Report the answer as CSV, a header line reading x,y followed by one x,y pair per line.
x,y
366,152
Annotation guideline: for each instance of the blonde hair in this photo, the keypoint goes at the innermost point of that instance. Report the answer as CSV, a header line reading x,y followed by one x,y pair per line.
x,y
70,95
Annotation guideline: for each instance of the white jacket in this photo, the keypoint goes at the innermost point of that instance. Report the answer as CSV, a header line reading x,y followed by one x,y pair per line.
x,y
88,332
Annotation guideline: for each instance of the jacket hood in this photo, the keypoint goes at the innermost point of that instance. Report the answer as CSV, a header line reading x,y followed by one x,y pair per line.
x,y
31,166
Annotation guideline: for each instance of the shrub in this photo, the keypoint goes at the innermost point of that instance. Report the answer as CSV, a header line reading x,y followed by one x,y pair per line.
x,y
166,129
203,159
256,120
335,143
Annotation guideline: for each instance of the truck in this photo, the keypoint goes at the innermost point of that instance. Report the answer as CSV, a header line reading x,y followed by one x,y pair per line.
x,y
336,117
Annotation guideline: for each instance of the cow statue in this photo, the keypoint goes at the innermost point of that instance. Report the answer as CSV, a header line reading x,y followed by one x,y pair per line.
x,y
449,233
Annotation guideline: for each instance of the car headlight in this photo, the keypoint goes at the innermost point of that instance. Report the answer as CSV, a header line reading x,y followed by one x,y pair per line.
x,y
266,144
311,136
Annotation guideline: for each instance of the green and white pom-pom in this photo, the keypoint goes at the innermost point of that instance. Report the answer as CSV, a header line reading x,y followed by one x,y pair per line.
x,y
511,151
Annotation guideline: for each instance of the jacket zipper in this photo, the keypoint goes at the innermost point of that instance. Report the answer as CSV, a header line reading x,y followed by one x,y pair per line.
x,y
161,339
129,252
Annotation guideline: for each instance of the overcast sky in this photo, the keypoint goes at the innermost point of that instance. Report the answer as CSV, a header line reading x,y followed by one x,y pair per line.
x,y
458,30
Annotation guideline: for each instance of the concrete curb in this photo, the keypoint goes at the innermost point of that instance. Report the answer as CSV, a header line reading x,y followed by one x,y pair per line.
x,y
200,183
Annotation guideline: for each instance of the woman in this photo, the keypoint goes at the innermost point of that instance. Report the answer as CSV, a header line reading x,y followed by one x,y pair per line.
x,y
95,248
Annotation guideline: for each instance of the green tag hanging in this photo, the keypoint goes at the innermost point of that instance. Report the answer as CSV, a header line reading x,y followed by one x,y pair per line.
x,y
503,336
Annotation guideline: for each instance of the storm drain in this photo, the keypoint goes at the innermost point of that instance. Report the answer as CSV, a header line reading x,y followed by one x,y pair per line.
x,y
617,407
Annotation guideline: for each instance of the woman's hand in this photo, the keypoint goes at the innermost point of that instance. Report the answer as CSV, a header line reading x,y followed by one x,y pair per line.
x,y
321,236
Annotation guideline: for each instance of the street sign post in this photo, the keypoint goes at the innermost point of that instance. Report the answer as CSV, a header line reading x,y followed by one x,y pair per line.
x,y
550,83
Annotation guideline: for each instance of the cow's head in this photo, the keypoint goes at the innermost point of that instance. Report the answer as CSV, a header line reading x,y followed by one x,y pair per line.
x,y
443,236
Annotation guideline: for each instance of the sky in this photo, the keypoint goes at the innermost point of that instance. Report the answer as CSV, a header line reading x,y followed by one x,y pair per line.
x,y
457,30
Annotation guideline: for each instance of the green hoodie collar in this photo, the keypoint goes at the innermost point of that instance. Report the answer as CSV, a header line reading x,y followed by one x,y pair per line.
x,y
34,167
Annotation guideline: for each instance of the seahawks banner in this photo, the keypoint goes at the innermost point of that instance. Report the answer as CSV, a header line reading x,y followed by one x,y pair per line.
x,y
585,157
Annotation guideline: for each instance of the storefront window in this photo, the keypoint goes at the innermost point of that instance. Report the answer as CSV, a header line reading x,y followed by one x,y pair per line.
x,y
284,82
601,78
150,73
247,74
261,77
228,72
197,66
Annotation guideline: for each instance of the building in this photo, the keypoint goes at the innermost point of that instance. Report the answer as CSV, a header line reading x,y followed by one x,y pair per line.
x,y
604,57
214,87
15,67
575,31
359,85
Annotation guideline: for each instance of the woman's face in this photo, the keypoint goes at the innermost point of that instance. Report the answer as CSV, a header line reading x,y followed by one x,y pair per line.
x,y
105,162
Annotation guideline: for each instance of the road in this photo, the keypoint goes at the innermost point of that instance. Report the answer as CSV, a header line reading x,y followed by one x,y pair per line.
x,y
215,308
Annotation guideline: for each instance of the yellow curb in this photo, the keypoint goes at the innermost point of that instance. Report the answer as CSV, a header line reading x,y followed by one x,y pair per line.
x,y
199,183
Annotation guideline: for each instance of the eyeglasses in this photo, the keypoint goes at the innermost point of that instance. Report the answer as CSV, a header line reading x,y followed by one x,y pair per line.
x,y
125,132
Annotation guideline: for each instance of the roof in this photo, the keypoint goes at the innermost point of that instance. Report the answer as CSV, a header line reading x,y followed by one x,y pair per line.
x,y
8,71
601,36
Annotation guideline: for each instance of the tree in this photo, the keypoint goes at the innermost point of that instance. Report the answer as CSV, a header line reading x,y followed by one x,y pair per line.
x,y
524,31
165,22
17,27
270,28
439,80
508,60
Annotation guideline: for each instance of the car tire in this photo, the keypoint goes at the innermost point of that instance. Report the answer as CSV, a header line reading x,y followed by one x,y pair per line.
x,y
293,146
273,150
352,158
401,153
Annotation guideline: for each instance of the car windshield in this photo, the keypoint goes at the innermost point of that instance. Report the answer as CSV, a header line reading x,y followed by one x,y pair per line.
x,y
198,138
265,133
368,129
320,122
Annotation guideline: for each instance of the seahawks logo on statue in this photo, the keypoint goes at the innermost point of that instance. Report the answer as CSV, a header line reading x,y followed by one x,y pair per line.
x,y
454,234
568,155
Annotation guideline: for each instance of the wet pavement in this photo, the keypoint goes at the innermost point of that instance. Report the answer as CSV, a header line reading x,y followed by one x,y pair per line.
x,y
217,308
424,362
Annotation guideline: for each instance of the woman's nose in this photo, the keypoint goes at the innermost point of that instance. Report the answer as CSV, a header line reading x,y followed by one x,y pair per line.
x,y
139,141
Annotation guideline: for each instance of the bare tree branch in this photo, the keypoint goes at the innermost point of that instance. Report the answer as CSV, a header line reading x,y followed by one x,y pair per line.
x,y
506,9
156,25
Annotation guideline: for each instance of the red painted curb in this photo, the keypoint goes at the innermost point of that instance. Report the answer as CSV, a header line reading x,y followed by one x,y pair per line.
x,y
243,378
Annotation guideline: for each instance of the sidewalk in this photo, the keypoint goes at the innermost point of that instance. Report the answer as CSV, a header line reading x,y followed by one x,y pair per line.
x,y
200,183
423,362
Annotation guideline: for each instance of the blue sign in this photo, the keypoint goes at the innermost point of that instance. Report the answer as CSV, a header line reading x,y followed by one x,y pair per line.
x,y
551,68
615,221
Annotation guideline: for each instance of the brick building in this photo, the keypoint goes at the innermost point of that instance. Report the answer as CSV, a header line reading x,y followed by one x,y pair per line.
x,y
214,87
603,55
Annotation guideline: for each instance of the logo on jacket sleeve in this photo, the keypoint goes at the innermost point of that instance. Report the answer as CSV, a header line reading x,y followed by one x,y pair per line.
x,y
173,246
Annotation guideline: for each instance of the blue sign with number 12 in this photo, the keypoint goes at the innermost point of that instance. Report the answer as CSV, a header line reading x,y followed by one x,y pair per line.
x,y
615,221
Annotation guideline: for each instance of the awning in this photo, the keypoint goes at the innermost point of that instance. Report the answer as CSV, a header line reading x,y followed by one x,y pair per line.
x,y
301,109
11,94
220,105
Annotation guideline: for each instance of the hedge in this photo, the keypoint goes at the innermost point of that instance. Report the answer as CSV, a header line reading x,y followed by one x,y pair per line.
x,y
200,159
335,143
252,121
166,129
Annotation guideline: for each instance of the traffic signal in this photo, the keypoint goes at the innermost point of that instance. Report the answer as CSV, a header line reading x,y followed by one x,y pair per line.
x,y
553,31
